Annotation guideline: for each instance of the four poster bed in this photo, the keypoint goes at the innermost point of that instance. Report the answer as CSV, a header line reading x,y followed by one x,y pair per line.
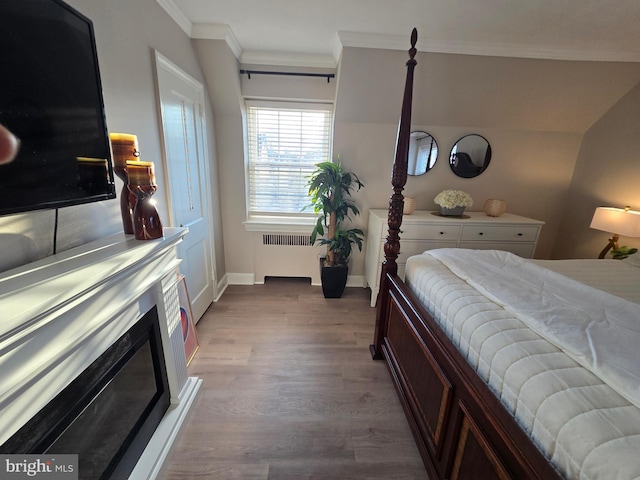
x,y
509,368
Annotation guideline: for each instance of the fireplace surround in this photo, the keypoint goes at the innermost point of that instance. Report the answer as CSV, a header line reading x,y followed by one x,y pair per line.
x,y
63,313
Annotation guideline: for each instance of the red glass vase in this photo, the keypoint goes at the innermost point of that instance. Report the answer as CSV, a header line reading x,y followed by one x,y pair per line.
x,y
124,147
127,200
146,220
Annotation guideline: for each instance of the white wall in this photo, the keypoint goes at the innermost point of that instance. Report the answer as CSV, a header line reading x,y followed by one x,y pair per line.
x,y
126,35
533,112
530,170
228,89
607,174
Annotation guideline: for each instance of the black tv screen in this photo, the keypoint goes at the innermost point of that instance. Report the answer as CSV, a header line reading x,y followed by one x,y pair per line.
x,y
51,99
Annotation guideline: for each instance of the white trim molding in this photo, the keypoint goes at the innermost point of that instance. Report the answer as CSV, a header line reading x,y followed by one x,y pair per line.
x,y
176,14
218,31
400,42
280,224
222,286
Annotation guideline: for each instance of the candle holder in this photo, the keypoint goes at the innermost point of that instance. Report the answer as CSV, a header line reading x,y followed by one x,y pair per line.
x,y
146,219
125,149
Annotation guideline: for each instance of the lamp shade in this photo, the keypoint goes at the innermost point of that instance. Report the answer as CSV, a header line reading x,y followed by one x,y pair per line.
x,y
617,220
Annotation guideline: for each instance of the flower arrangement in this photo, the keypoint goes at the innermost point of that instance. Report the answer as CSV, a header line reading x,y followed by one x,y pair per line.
x,y
453,198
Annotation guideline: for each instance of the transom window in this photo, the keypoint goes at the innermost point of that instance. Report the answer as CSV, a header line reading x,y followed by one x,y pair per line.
x,y
285,141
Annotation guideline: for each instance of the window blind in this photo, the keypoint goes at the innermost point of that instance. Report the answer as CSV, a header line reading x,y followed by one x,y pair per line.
x,y
285,141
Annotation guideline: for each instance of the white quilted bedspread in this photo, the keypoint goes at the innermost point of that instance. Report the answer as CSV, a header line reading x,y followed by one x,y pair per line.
x,y
618,277
585,427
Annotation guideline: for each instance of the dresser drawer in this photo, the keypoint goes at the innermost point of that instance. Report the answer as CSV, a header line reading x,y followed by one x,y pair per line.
x,y
429,232
499,233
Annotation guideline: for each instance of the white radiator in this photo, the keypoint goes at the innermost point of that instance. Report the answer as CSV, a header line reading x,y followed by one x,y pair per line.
x,y
286,255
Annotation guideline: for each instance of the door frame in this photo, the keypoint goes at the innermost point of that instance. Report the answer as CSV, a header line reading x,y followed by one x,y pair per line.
x,y
162,62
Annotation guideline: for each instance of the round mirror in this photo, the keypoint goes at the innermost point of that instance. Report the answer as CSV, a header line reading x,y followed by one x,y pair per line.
x,y
423,153
470,156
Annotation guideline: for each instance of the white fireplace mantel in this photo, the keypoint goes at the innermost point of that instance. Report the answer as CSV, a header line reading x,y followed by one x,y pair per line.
x,y
61,313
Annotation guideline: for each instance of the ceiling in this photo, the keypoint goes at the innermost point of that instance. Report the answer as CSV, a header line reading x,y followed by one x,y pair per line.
x,y
314,32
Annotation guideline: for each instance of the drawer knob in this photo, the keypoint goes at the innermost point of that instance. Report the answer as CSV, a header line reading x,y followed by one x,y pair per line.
x,y
481,233
441,233
520,234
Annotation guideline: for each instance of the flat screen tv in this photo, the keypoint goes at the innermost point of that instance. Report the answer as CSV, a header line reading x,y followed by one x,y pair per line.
x,y
51,99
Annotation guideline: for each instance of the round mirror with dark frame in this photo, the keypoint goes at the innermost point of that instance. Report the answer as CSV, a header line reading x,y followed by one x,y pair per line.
x,y
423,153
470,156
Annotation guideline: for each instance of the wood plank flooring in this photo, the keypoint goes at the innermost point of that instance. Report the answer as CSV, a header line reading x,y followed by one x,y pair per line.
x,y
290,392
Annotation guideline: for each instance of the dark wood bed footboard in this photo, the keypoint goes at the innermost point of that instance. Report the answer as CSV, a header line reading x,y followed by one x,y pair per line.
x,y
460,427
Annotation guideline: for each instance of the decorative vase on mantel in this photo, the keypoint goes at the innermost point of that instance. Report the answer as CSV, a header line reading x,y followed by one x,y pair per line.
x,y
124,147
142,184
452,212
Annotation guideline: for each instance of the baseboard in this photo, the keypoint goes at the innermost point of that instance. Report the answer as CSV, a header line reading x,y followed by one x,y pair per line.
x,y
152,461
356,281
221,287
240,278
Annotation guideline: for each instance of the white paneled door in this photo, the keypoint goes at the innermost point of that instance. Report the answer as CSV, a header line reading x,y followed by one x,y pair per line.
x,y
181,99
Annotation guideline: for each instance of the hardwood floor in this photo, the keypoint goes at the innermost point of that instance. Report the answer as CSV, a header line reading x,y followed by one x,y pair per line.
x,y
290,392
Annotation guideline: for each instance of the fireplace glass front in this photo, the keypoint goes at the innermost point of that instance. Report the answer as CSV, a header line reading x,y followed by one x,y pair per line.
x,y
109,412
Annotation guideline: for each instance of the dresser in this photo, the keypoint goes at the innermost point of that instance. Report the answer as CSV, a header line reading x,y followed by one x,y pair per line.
x,y
423,230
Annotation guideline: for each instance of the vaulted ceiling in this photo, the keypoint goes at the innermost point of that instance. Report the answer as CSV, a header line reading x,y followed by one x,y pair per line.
x,y
315,31
543,65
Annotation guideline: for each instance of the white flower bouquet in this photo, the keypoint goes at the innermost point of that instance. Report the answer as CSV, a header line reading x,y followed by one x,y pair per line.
x,y
453,198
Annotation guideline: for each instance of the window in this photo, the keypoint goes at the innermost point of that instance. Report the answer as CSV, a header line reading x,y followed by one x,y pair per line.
x,y
285,141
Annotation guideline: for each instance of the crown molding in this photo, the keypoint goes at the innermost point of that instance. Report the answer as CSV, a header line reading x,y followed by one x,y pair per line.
x,y
218,31
401,42
386,42
337,49
174,12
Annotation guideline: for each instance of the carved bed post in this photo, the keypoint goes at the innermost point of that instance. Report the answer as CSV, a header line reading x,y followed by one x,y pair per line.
x,y
396,202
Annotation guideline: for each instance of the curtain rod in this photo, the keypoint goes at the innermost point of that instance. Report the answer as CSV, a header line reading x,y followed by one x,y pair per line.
x,y
328,76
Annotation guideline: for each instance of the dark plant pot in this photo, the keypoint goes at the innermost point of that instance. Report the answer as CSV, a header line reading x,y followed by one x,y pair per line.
x,y
334,280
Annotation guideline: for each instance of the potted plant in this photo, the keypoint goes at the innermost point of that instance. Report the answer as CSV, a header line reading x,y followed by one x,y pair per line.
x,y
330,188
453,202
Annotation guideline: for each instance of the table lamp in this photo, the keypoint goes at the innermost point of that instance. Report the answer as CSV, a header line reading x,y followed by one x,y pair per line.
x,y
618,221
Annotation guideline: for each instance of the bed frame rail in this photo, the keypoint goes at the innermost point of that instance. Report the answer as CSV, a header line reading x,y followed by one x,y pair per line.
x,y
461,429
